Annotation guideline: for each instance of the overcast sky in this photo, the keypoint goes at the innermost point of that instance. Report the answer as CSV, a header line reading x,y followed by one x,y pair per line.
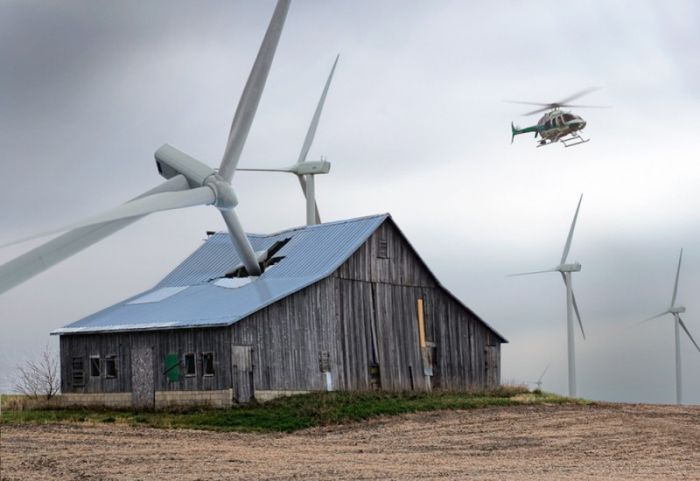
x,y
414,125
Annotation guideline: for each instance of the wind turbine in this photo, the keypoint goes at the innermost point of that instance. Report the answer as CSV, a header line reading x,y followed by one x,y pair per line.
x,y
678,323
306,171
538,383
189,183
571,306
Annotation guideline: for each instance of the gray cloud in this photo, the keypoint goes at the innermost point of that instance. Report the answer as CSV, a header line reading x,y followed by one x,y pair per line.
x,y
414,125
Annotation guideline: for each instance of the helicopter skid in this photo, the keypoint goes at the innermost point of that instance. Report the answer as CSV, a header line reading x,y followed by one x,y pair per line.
x,y
569,140
573,139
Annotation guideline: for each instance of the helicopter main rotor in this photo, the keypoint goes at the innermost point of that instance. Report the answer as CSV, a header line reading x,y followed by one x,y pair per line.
x,y
562,103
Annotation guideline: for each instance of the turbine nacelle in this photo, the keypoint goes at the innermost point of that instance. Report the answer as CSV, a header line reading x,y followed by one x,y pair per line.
x,y
171,162
677,310
311,167
575,267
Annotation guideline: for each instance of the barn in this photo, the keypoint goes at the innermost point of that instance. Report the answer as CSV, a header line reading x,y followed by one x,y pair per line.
x,y
345,305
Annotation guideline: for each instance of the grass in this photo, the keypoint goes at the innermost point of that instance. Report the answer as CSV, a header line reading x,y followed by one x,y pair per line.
x,y
290,413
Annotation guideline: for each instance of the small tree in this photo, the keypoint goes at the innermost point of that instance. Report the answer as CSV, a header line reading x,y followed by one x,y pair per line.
x,y
39,378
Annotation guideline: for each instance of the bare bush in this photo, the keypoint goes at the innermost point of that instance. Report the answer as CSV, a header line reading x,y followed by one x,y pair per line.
x,y
40,378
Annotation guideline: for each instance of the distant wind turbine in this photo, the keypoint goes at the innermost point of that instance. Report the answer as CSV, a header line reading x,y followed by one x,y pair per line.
x,y
306,171
676,311
538,383
565,270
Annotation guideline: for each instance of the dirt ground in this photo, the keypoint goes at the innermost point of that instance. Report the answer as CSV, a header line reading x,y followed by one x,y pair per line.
x,y
524,442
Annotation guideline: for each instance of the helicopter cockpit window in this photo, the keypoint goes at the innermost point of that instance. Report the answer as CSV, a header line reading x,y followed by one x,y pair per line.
x,y
568,117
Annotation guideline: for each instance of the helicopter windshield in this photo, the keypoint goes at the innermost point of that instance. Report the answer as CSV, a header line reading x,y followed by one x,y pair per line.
x,y
569,117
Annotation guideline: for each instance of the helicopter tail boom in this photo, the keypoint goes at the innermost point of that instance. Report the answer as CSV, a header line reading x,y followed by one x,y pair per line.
x,y
516,131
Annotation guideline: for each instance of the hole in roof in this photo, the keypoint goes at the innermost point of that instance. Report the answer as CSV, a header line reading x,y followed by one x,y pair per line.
x,y
268,260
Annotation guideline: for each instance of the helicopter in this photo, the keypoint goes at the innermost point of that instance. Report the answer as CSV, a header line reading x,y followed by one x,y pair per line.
x,y
556,125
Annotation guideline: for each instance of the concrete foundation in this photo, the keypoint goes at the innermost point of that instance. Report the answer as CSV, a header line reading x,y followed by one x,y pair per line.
x,y
166,399
262,396
97,399
216,399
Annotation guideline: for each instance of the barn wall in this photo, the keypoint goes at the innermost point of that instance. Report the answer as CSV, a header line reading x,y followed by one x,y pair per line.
x,y
377,298
180,342
288,337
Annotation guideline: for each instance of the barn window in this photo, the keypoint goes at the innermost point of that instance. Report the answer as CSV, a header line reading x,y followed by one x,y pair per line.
x,y
208,363
95,366
383,248
77,372
111,367
190,365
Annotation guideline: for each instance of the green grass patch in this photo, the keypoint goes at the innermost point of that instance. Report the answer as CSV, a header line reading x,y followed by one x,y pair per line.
x,y
291,413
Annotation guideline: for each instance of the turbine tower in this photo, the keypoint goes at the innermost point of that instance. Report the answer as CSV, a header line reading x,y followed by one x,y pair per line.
x,y
571,306
675,311
189,183
306,171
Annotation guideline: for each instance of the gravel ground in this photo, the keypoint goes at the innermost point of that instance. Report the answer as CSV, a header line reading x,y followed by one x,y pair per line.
x,y
603,441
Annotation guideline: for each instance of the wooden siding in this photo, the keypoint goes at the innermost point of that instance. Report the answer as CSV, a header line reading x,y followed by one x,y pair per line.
x,y
383,291
287,338
180,341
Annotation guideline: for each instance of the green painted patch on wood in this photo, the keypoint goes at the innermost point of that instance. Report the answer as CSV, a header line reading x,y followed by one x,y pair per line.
x,y
172,367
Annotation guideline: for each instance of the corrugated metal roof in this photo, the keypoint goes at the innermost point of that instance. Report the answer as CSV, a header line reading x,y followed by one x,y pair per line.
x,y
191,296
312,253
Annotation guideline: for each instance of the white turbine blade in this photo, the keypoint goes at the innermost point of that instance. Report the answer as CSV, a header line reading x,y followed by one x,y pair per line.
x,y
654,317
543,372
250,98
308,140
37,260
530,273
678,273
575,304
680,321
241,243
302,182
567,246
136,208
578,314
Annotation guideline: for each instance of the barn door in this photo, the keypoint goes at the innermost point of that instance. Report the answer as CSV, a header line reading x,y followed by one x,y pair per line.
x,y
142,377
492,376
242,373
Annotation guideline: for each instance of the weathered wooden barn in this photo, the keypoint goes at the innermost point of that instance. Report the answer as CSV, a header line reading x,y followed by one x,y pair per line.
x,y
344,305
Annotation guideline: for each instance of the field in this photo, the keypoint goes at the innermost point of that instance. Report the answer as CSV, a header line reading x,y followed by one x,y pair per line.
x,y
525,441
